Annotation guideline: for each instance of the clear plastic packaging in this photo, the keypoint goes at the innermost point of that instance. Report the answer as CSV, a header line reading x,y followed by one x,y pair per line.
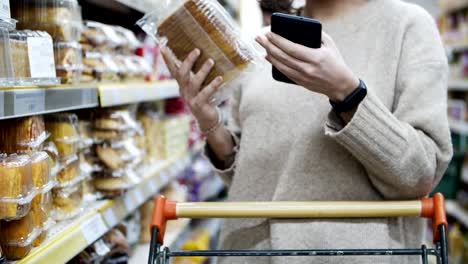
x,y
67,202
69,170
183,25
41,209
17,237
54,158
131,43
16,186
43,179
64,132
68,61
116,183
6,22
16,61
118,119
22,134
96,68
101,37
60,18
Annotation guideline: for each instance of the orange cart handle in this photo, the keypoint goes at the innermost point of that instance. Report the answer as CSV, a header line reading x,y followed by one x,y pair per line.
x,y
433,208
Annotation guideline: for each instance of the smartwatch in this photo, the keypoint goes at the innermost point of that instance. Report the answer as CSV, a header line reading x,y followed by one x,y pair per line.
x,y
352,100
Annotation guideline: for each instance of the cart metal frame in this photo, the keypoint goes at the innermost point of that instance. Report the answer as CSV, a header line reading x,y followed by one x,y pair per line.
x,y
433,208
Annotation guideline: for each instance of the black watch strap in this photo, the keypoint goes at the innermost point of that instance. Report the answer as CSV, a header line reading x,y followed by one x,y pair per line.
x,y
352,100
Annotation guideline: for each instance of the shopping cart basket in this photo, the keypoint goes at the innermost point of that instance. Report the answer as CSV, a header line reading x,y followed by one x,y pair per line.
x,y
433,208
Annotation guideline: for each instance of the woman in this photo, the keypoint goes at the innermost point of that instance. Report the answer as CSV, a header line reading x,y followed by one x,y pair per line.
x,y
286,142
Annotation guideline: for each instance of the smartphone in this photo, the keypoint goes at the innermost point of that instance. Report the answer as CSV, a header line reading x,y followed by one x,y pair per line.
x,y
300,30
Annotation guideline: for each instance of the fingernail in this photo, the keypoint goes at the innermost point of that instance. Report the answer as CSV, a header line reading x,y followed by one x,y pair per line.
x,y
219,79
197,52
211,62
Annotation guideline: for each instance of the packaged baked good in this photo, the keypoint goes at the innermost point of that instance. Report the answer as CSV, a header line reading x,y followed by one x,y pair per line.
x,y
64,132
130,42
60,18
41,171
54,159
102,37
17,237
183,25
41,210
67,202
69,171
22,134
68,61
30,65
97,68
117,118
16,186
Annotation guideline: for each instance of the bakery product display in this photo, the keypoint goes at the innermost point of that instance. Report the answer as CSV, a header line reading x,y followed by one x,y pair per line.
x,y
60,18
63,128
41,209
41,170
67,201
70,170
22,134
17,237
68,61
20,58
16,186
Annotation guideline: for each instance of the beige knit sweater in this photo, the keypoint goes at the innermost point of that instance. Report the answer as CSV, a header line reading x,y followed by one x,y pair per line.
x,y
397,146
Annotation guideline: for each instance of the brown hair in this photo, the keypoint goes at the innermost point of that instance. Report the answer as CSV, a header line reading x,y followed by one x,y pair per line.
x,y
272,6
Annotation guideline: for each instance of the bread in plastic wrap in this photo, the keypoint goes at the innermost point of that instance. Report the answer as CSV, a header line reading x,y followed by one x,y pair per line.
x,y
183,25
17,237
68,61
41,209
22,134
67,202
16,186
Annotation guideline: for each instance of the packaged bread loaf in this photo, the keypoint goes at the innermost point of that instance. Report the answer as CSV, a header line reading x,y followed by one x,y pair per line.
x,y
68,61
63,128
22,134
60,18
67,202
17,237
69,171
183,25
41,171
16,186
41,209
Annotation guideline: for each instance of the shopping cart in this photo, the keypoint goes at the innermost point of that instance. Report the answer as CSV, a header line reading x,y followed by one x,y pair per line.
x,y
433,208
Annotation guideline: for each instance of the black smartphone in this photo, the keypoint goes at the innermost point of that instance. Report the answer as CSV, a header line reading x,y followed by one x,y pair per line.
x,y
300,30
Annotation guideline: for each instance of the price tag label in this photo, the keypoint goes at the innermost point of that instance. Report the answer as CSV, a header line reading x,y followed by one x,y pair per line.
x,y
110,217
87,97
93,228
101,248
25,102
41,57
5,8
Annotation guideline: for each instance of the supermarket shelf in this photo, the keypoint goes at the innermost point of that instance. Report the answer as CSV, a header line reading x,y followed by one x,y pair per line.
x,y
119,94
68,239
21,102
24,102
455,210
458,85
459,127
139,5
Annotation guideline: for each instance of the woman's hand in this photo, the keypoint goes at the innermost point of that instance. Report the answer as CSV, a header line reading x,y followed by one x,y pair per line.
x,y
190,84
319,70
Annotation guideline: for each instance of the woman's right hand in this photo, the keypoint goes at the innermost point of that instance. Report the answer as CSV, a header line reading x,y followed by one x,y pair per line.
x,y
190,84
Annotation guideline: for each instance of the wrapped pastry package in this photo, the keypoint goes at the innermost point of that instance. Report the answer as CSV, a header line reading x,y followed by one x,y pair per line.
x,y
22,134
183,25
68,61
43,179
101,37
67,202
41,209
17,237
63,128
19,55
70,172
16,186
60,18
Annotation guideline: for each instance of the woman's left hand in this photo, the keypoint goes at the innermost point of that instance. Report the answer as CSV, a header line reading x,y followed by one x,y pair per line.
x,y
320,70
